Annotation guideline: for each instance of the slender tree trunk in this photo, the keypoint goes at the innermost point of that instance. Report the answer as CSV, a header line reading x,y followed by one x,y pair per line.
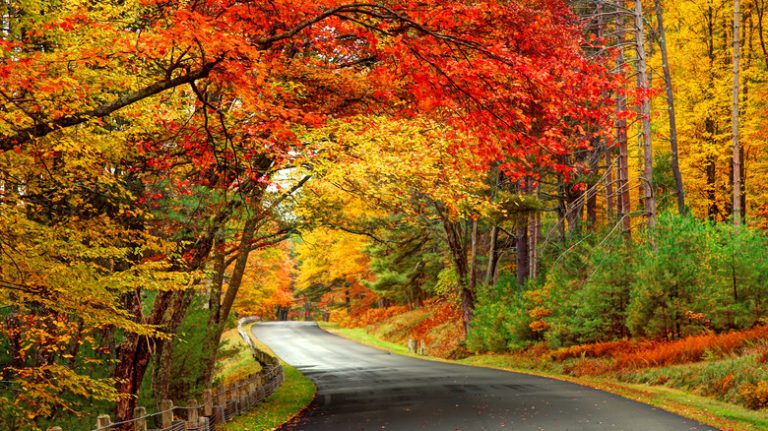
x,y
679,190
645,115
534,232
561,210
594,166
473,262
609,205
735,115
522,256
623,208
491,268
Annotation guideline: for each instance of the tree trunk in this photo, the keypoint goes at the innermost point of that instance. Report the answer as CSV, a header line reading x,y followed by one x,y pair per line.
x,y
459,255
645,116
211,342
135,351
609,204
534,232
473,262
623,208
679,191
492,255
522,256
221,307
735,115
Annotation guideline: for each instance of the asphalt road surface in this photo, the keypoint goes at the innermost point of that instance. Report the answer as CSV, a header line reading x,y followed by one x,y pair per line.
x,y
362,388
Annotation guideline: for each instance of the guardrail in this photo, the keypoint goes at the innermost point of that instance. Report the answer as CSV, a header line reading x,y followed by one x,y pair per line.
x,y
220,404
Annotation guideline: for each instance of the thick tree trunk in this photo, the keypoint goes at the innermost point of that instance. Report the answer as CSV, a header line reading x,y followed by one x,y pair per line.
x,y
135,352
220,310
735,115
459,255
679,191
645,116
164,356
214,328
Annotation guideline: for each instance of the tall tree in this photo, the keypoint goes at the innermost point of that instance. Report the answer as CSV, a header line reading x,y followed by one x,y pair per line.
x,y
644,102
735,94
679,189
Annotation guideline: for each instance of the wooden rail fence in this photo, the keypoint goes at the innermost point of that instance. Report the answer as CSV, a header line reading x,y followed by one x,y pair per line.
x,y
219,404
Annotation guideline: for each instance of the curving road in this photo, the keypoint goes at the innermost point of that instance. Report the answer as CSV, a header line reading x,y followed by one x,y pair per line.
x,y
362,388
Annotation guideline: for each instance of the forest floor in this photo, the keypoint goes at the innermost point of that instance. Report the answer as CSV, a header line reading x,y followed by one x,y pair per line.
x,y
714,387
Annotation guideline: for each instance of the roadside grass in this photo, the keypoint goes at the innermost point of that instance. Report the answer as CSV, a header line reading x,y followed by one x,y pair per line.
x,y
288,400
362,336
293,396
235,360
722,415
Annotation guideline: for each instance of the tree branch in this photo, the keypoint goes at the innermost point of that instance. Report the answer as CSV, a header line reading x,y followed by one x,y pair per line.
x,y
41,129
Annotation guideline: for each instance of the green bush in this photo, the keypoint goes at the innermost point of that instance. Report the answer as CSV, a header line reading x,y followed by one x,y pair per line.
x,y
501,318
673,285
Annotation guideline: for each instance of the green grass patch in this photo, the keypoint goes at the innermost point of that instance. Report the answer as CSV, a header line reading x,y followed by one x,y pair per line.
x,y
288,400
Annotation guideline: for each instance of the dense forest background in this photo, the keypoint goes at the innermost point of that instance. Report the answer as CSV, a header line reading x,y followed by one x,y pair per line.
x,y
535,174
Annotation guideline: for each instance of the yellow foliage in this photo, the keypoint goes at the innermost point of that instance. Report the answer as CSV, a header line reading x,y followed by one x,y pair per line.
x,y
328,256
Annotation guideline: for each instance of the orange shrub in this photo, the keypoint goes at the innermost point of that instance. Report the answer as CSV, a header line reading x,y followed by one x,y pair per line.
x,y
754,396
649,353
598,350
442,330
439,314
690,349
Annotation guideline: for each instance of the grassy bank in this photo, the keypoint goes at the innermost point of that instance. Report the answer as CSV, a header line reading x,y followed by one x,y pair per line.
x,y
723,415
235,360
287,401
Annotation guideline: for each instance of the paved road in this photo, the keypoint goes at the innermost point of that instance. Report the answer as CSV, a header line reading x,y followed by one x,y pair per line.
x,y
362,388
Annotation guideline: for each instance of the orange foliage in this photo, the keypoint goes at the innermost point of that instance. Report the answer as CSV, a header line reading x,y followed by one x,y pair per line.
x,y
641,354
371,316
598,350
439,313
690,349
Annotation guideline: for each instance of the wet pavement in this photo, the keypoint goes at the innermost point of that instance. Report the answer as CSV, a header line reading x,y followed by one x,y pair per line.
x,y
362,388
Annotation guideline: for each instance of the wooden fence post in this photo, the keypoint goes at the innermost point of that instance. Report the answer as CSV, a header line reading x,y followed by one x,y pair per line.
x,y
193,413
140,419
221,396
207,402
166,413
103,421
